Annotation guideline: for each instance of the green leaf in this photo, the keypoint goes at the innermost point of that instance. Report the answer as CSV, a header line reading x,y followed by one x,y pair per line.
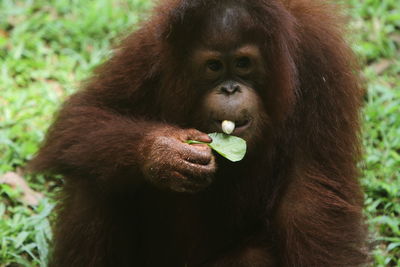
x,y
191,142
228,146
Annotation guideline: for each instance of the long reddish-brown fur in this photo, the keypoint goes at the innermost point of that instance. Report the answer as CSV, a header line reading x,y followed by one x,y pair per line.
x,y
295,202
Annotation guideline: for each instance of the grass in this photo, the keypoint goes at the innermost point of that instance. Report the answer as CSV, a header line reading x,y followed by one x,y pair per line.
x,y
48,46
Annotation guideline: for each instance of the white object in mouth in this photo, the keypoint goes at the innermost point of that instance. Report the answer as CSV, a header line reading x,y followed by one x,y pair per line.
x,y
228,126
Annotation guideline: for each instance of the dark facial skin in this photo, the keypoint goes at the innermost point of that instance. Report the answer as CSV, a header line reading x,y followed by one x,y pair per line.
x,y
229,79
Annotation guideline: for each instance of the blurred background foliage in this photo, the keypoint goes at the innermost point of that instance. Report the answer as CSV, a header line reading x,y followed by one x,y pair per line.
x,y
48,46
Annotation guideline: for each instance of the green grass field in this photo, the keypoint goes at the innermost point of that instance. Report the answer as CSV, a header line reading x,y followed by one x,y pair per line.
x,y
48,46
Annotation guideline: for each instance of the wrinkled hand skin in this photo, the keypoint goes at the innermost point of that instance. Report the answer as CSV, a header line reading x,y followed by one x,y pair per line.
x,y
171,164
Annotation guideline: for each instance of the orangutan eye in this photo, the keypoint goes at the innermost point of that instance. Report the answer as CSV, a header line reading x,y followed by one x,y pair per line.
x,y
243,62
214,65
